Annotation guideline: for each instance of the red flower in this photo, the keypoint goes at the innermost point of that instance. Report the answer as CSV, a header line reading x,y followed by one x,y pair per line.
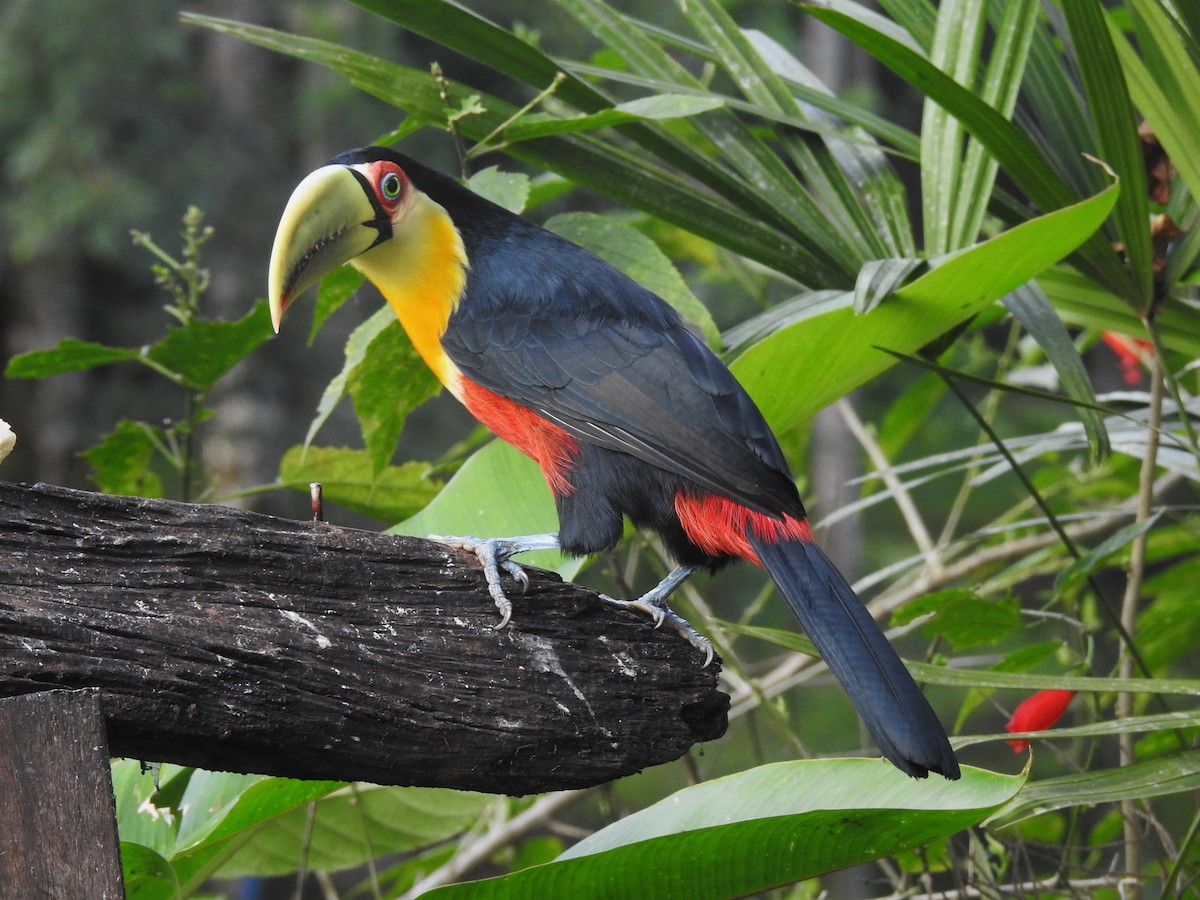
x,y
1037,713
1130,354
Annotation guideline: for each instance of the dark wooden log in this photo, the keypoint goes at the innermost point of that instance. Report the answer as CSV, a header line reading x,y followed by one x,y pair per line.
x,y
241,642
58,835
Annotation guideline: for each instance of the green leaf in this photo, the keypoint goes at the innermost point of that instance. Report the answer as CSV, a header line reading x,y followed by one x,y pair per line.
x,y
1132,781
221,811
205,350
354,825
498,492
147,875
1012,148
356,351
832,351
657,107
758,829
335,289
67,355
639,258
730,213
389,495
957,46
508,189
388,383
1165,84
1115,124
1032,309
1102,555
965,619
122,462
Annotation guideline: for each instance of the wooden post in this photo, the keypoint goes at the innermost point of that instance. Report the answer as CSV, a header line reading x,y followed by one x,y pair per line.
x,y
58,831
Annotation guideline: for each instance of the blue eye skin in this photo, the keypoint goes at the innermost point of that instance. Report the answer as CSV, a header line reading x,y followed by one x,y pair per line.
x,y
391,186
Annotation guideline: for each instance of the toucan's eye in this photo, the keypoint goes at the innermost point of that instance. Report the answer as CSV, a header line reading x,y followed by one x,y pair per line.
x,y
391,186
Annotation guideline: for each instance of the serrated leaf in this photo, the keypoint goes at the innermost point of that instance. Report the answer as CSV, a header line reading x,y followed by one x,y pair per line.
x,y
758,829
335,289
388,383
390,495
121,462
203,351
356,350
965,619
639,258
67,355
507,189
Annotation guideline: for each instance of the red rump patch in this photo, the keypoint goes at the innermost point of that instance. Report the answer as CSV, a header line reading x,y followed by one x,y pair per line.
x,y
718,525
547,444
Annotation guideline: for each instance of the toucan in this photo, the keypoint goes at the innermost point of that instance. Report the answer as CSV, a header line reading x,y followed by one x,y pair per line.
x,y
627,412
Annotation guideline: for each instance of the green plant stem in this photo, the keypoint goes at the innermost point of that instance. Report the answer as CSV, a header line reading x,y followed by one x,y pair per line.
x,y
1129,611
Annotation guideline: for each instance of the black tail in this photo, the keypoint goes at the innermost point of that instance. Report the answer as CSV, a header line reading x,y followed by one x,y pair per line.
x,y
895,711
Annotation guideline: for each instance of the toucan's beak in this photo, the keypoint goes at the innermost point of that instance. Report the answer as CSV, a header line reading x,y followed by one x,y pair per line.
x,y
331,218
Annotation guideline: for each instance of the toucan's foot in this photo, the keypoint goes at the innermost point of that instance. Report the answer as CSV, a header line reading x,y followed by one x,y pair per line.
x,y
654,604
495,555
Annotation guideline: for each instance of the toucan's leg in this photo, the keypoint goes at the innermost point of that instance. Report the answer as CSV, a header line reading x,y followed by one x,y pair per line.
x,y
495,554
654,604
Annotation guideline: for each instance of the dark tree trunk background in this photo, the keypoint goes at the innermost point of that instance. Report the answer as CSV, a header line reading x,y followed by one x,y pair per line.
x,y
236,641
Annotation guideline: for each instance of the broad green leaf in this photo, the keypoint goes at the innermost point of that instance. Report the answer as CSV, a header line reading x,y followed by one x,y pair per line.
x,y
1080,301
205,350
122,462
355,824
769,826
147,876
1134,781
388,383
221,811
830,351
638,257
68,355
508,189
143,818
498,492
349,479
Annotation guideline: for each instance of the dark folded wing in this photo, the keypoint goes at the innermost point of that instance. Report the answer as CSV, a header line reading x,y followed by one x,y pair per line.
x,y
624,373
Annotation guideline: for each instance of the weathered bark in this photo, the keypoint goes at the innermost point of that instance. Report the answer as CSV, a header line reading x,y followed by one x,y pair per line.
x,y
236,641
58,837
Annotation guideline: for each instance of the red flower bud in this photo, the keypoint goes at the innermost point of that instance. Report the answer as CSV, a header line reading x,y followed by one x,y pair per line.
x,y
1037,713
